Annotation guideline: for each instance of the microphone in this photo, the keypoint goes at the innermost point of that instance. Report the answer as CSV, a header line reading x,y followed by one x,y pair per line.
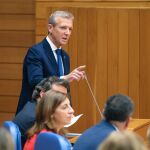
x,y
95,101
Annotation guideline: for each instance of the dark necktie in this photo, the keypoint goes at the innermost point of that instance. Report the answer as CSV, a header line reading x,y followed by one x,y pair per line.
x,y
59,62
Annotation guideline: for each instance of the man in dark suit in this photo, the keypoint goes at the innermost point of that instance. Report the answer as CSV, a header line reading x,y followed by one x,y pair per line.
x,y
26,117
41,59
117,112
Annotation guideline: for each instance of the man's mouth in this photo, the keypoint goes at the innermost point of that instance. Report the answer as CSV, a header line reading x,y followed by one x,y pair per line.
x,y
65,39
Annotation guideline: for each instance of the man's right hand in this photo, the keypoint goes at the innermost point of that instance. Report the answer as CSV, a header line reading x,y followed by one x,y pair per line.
x,y
76,74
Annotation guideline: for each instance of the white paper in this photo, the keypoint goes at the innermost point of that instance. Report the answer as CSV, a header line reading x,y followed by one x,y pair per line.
x,y
73,120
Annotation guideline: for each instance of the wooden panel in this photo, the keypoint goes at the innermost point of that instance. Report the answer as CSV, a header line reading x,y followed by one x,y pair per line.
x,y
10,71
17,7
17,30
112,51
39,38
41,7
93,0
140,126
144,63
41,27
8,103
6,116
134,61
91,67
12,54
101,84
123,52
17,22
10,87
82,49
73,45
73,53
16,38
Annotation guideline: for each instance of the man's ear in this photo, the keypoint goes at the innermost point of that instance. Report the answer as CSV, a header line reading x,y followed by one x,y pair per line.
x,y
127,122
50,28
41,94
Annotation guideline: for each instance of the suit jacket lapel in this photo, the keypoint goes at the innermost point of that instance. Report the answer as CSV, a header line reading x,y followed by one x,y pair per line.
x,y
66,63
50,55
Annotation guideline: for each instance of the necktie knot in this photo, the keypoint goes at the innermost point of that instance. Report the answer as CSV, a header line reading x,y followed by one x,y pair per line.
x,y
58,51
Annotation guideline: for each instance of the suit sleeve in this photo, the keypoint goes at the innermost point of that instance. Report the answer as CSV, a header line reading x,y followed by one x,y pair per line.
x,y
34,67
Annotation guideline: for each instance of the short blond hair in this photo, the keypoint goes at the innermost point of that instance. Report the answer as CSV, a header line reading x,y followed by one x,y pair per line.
x,y
125,140
59,13
6,141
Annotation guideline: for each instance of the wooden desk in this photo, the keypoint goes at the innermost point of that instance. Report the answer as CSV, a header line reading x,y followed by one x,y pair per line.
x,y
139,126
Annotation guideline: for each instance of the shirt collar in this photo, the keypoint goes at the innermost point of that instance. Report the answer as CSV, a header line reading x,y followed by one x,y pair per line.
x,y
53,46
115,127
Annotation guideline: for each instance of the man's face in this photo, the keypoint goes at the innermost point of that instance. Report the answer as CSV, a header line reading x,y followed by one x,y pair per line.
x,y
59,88
61,31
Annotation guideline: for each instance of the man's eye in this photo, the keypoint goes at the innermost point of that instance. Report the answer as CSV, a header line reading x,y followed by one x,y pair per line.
x,y
64,28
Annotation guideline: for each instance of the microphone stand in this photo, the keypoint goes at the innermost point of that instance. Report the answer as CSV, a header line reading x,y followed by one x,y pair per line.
x,y
95,101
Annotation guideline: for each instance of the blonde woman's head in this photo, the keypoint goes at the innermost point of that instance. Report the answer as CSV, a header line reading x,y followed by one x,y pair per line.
x,y
125,140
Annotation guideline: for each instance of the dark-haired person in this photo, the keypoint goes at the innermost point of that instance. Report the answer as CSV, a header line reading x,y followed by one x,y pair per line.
x,y
41,60
53,113
117,112
26,117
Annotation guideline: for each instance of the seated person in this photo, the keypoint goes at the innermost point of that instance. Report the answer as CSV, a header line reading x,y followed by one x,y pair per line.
x,y
53,113
148,137
117,112
6,141
123,141
26,117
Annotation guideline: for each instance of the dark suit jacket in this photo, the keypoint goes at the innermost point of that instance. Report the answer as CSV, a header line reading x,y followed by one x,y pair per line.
x,y
25,119
39,63
92,137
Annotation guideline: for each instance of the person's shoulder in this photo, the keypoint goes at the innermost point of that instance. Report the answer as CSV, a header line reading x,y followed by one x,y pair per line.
x,y
99,127
36,50
32,104
85,139
29,107
38,45
88,132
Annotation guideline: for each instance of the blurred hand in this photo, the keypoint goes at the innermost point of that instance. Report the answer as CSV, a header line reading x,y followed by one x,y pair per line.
x,y
76,74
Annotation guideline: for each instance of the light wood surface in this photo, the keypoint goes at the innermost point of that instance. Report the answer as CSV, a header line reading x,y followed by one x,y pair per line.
x,y
140,126
136,124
